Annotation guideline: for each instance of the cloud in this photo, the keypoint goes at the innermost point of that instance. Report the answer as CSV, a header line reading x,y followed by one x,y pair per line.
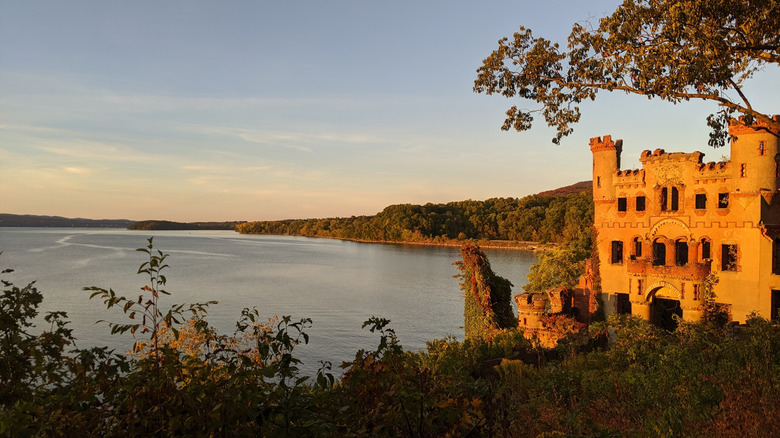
x,y
297,140
77,170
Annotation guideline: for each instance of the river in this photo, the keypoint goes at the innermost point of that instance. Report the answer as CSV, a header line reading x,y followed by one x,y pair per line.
x,y
338,284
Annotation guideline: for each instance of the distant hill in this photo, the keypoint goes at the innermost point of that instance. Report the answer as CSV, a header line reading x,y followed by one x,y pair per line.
x,y
28,220
582,186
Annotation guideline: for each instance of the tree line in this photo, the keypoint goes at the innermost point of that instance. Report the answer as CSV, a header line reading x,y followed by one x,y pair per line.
x,y
553,219
151,225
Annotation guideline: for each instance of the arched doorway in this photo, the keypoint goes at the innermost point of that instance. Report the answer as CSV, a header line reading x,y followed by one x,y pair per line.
x,y
664,306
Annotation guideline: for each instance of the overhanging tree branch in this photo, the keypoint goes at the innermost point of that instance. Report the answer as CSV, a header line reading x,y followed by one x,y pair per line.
x,y
674,50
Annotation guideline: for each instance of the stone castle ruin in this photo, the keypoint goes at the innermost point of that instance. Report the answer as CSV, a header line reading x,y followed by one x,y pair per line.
x,y
669,233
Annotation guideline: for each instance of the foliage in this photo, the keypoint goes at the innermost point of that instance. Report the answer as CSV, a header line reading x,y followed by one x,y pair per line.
x,y
33,366
147,309
560,266
544,219
487,297
696,381
674,50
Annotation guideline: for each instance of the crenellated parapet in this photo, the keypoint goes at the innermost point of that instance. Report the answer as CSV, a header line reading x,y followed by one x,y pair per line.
x,y
605,143
630,177
714,170
659,156
740,126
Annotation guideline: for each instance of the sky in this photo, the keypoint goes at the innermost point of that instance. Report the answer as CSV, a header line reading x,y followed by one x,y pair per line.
x,y
261,110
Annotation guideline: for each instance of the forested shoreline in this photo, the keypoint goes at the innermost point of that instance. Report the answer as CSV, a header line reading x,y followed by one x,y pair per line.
x,y
495,221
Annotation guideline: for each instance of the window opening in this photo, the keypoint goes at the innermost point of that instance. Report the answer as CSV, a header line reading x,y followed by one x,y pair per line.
x,y
761,150
701,201
743,170
681,252
776,256
705,250
675,199
695,291
622,204
640,203
775,309
723,200
659,254
639,284
637,247
664,192
728,257
617,251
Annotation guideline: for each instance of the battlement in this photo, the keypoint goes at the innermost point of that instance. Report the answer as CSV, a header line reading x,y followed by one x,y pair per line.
x,y
605,143
661,156
720,169
631,176
530,303
740,127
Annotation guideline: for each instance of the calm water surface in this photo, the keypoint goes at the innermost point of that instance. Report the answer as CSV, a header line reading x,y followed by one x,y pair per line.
x,y
337,284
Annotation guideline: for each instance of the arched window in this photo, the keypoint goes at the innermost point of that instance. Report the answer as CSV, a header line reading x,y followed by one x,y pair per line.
x,y
669,199
681,252
637,247
664,195
706,249
617,251
675,199
659,253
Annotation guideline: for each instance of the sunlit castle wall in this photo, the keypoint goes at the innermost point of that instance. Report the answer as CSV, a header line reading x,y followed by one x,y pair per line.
x,y
664,228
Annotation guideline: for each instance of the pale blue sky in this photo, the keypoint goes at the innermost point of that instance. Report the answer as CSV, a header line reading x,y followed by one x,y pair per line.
x,y
252,110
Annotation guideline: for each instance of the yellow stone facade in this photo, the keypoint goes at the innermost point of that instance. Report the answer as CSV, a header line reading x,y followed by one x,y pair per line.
x,y
662,229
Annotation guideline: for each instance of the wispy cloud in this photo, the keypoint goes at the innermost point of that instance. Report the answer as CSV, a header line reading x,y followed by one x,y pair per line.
x,y
77,170
298,140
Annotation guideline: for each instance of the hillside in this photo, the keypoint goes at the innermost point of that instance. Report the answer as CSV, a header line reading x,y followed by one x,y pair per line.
x,y
26,220
555,219
582,186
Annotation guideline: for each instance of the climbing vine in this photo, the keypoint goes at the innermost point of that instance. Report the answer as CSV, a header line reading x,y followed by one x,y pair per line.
x,y
487,297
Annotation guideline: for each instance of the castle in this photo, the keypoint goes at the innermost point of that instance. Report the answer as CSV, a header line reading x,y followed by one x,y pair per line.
x,y
663,229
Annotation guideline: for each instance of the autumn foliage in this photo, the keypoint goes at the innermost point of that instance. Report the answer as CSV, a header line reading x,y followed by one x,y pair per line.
x,y
487,297
185,379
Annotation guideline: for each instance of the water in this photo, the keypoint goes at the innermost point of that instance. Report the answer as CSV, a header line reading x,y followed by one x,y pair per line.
x,y
337,284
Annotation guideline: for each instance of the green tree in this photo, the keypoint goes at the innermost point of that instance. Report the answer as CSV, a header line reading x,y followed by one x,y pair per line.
x,y
674,50
560,266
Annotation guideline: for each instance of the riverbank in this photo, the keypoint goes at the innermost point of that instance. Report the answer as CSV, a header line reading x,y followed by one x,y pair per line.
x,y
492,244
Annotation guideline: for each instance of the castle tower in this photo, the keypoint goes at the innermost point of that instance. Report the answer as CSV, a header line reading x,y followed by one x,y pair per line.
x,y
606,163
664,229
754,156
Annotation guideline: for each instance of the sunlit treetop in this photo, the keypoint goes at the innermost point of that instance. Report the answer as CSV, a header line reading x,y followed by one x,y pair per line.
x,y
674,50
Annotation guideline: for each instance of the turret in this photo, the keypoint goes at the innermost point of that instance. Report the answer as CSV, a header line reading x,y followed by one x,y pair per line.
x,y
754,151
606,163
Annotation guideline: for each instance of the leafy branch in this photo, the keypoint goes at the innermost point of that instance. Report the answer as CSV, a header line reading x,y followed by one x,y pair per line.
x,y
673,50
